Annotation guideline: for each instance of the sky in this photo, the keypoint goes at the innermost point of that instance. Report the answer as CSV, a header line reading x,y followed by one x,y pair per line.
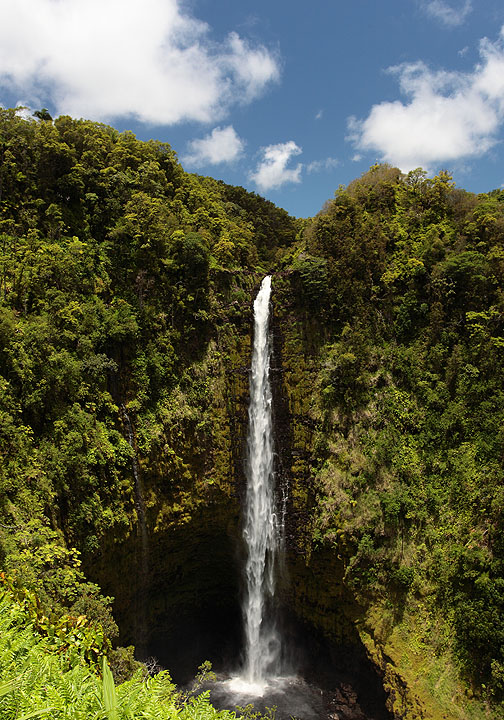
x,y
288,99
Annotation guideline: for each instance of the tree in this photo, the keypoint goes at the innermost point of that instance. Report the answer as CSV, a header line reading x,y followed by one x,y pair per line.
x,y
43,114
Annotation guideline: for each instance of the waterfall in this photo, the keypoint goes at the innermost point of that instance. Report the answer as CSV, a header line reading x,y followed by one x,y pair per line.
x,y
143,569
267,678
262,533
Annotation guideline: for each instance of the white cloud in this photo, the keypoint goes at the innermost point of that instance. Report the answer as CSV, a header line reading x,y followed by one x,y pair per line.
x,y
23,111
108,58
251,68
272,171
447,14
448,115
222,145
320,165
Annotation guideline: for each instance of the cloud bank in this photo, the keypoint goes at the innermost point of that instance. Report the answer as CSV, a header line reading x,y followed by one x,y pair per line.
x,y
222,145
448,116
148,59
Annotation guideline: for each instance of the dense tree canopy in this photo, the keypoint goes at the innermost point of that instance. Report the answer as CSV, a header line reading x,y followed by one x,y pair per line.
x,y
115,265
404,275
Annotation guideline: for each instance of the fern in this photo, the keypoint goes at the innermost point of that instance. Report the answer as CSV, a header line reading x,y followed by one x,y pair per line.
x,y
109,692
37,713
44,677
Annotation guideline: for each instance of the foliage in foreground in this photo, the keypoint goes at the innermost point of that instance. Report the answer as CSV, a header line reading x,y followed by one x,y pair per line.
x,y
46,673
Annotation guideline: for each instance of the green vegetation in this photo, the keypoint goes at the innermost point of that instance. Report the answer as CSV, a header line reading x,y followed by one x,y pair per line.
x,y
123,280
117,270
402,277
45,671
125,294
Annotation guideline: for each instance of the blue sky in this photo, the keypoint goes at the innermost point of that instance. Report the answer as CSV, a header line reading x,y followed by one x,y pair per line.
x,y
289,99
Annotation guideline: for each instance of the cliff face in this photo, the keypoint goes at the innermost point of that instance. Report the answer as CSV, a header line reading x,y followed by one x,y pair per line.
x,y
327,466
175,574
177,580
125,324
314,590
178,596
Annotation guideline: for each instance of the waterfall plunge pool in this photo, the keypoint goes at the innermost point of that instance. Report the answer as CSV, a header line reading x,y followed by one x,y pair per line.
x,y
292,697
289,696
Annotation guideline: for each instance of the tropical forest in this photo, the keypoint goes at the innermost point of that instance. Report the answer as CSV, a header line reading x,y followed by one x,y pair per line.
x,y
141,574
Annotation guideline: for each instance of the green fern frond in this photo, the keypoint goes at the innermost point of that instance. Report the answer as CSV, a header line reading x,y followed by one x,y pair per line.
x,y
109,692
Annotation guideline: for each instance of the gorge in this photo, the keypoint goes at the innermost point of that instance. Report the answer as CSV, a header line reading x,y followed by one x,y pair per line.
x,y
267,678
264,656
126,338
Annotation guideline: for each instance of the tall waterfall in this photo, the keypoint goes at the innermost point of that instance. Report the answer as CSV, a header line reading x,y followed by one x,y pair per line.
x,y
261,528
143,565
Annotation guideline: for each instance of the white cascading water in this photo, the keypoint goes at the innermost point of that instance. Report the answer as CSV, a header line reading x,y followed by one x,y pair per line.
x,y
262,679
261,531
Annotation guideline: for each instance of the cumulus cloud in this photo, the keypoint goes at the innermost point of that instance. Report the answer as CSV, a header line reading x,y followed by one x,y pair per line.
x,y
272,171
448,115
321,165
222,145
148,59
447,14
